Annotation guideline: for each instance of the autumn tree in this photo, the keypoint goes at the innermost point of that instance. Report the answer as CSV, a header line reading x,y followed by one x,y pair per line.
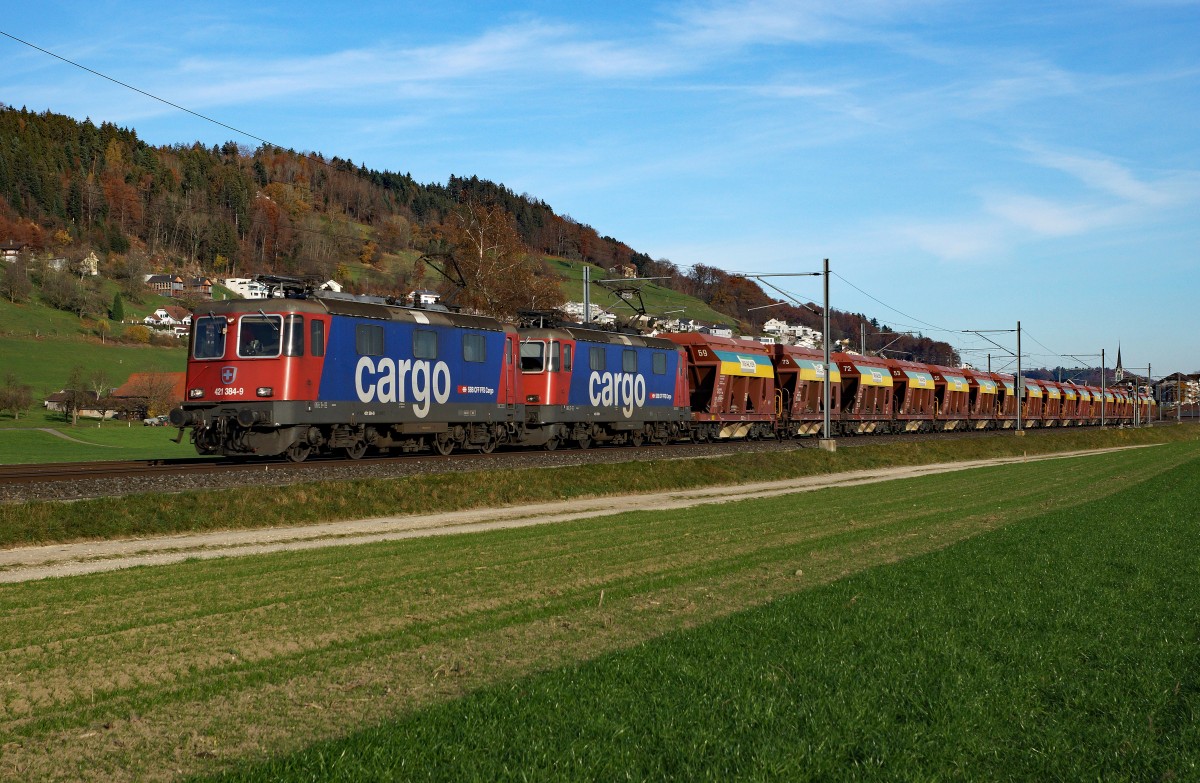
x,y
14,282
158,391
496,273
366,255
15,397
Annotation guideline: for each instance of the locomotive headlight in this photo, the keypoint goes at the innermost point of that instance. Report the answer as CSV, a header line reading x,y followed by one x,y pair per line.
x,y
533,398
195,394
265,391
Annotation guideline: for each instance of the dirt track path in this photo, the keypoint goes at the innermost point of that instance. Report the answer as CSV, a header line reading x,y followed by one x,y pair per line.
x,y
59,560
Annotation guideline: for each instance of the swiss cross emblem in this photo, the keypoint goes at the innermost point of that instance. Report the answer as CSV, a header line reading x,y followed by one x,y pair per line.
x,y
228,374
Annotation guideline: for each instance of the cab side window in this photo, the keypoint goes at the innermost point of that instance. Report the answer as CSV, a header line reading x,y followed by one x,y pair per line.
x,y
293,336
317,338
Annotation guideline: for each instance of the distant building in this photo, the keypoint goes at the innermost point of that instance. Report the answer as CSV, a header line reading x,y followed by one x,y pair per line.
x,y
246,288
170,317
166,285
331,285
89,403
198,286
599,315
424,296
1179,386
10,250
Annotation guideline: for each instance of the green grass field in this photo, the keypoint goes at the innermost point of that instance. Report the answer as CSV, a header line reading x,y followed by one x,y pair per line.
x,y
1062,648
125,440
40,346
893,636
315,501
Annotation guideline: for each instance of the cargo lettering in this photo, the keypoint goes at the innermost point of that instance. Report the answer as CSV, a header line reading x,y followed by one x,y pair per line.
x,y
402,380
613,389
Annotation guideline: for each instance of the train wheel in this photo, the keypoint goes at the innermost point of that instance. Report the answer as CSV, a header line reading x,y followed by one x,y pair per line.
x,y
584,442
551,444
443,444
298,452
356,450
636,438
490,446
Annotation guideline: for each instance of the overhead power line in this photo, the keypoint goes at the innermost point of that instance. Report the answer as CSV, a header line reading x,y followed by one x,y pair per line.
x,y
150,95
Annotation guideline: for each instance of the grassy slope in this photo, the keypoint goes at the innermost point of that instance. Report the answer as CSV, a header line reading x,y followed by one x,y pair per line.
x,y
1064,648
134,675
658,299
42,345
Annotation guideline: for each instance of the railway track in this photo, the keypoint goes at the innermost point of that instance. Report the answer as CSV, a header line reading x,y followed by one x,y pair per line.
x,y
77,480
68,471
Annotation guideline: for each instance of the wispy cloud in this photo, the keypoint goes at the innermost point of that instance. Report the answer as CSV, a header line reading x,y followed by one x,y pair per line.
x,y
1104,175
737,24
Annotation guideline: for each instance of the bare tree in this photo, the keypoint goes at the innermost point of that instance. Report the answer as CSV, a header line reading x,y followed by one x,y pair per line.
x,y
496,273
98,385
15,397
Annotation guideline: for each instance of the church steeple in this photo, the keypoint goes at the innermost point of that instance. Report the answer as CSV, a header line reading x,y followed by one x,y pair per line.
x,y
1119,375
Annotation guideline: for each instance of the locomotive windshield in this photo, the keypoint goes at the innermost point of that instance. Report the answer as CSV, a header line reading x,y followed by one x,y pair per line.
x,y
210,337
258,335
533,356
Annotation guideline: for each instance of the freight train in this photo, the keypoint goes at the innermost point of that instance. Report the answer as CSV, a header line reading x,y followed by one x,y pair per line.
x,y
318,372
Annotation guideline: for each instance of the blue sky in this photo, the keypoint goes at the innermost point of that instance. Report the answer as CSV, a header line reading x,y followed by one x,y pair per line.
x,y
963,165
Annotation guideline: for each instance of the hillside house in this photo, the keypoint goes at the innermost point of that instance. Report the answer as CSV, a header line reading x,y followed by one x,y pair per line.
x,y
10,250
246,288
775,326
169,317
166,285
89,402
198,286
424,296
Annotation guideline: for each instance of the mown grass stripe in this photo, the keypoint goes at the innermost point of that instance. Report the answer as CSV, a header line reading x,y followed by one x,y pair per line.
x,y
1063,648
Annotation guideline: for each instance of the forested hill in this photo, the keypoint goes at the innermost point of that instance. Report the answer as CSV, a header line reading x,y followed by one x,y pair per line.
x,y
71,187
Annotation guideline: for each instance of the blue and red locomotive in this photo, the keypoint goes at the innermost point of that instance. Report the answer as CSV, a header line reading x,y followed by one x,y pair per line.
x,y
314,371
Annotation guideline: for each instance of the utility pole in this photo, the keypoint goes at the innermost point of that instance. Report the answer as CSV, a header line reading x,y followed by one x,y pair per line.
x,y
827,441
989,364
1020,383
862,337
1103,391
587,294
